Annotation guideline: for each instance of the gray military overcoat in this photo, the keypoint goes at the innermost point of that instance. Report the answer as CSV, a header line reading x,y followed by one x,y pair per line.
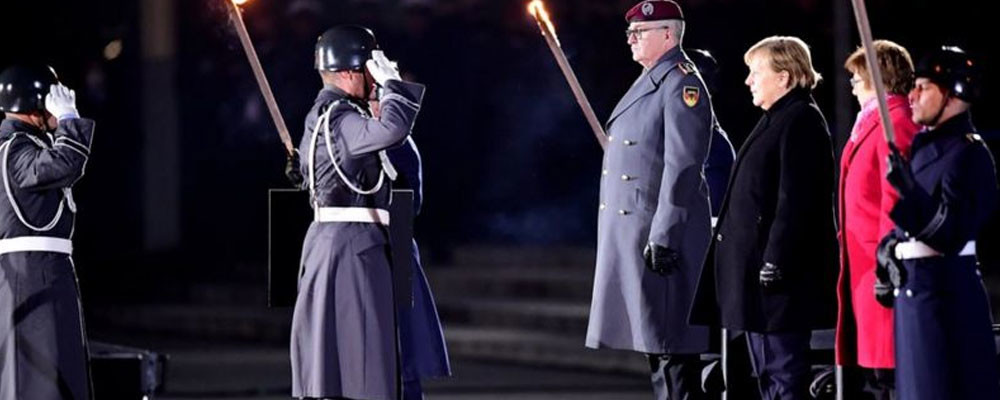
x,y
653,190
343,341
42,340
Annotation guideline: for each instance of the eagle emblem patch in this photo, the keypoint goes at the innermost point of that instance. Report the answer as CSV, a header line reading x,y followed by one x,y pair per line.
x,y
691,95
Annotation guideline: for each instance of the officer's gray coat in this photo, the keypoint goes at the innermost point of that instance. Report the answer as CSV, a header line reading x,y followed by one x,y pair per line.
x,y
343,341
42,342
653,190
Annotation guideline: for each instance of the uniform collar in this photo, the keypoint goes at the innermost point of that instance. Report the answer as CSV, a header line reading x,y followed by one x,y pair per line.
x,y
9,126
666,62
959,124
332,93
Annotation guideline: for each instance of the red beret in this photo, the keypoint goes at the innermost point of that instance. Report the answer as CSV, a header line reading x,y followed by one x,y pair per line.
x,y
654,10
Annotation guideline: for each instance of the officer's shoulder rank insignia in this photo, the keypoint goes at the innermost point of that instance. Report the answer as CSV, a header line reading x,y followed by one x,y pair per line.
x,y
691,95
686,67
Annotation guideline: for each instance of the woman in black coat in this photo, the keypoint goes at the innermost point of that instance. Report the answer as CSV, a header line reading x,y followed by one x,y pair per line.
x,y
771,269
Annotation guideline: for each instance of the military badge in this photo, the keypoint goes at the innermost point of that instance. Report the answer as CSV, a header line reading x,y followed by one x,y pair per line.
x,y
691,95
687,68
647,9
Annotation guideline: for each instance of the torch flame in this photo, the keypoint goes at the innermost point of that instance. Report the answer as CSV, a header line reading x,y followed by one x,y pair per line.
x,y
537,9
240,2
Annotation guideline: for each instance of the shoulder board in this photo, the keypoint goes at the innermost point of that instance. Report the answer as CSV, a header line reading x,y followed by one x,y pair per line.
x,y
687,67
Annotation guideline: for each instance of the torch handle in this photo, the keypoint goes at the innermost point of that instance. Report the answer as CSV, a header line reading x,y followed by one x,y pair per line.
x,y
574,84
875,73
258,72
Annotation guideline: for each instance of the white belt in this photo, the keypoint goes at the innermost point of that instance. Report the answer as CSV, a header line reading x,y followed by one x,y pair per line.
x,y
352,214
36,243
916,249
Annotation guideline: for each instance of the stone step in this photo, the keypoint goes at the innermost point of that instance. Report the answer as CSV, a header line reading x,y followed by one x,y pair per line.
x,y
524,314
250,323
493,257
242,294
564,283
539,348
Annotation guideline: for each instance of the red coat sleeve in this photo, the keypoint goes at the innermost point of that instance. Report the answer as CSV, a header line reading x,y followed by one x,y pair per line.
x,y
905,129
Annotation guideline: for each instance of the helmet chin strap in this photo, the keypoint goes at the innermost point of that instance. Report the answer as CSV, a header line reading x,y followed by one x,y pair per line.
x,y
944,103
371,87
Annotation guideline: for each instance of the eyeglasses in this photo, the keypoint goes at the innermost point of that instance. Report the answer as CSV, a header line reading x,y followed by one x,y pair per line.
x,y
855,81
638,32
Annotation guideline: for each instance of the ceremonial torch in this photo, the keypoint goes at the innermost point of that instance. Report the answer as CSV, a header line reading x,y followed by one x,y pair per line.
x,y
258,72
865,30
537,9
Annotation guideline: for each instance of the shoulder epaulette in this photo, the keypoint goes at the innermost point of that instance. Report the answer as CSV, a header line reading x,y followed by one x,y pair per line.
x,y
687,67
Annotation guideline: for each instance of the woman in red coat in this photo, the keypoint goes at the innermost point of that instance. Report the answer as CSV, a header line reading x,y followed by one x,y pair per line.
x,y
865,327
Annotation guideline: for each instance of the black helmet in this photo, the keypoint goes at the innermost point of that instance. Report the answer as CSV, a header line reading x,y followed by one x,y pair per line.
x,y
953,70
706,65
23,87
345,47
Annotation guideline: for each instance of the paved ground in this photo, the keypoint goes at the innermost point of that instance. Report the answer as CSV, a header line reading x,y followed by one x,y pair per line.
x,y
242,371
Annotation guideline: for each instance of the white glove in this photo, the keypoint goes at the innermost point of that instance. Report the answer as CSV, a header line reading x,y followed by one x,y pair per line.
x,y
61,102
381,68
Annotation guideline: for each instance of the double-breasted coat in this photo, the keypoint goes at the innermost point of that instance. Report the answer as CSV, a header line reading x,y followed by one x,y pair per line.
x,y
653,190
778,209
865,197
42,341
343,340
944,342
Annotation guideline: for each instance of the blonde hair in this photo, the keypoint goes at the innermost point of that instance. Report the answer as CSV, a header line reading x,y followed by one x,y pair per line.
x,y
789,54
894,62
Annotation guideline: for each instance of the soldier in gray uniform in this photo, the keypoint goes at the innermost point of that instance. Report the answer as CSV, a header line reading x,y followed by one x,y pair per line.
x,y
42,343
343,342
654,219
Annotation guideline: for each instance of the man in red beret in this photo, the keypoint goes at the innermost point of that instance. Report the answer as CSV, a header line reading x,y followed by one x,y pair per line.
x,y
654,223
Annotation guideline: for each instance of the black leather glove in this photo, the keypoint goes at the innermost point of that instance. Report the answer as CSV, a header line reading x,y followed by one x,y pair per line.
x,y
661,260
771,277
898,173
889,271
292,171
884,293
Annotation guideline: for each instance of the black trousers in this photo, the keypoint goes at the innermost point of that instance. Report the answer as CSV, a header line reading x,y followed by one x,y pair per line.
x,y
869,383
676,376
781,363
